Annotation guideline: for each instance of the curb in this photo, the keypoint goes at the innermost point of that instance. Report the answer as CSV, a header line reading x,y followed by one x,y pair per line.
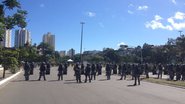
x,y
9,78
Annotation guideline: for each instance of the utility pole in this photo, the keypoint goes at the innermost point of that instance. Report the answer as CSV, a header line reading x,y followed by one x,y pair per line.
x,y
180,32
82,23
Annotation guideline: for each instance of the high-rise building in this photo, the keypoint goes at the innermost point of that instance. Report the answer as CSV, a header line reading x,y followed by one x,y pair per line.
x,y
6,39
22,37
71,53
49,39
62,53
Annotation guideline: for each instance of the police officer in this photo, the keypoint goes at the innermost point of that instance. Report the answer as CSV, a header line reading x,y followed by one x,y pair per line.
x,y
178,72
146,70
171,72
123,72
42,71
119,69
26,70
114,69
160,70
87,73
136,74
77,73
108,71
183,72
60,72
48,68
32,68
99,69
93,72
65,69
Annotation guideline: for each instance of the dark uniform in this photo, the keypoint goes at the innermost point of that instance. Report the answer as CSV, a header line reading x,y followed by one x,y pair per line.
x,y
87,73
108,71
93,72
99,68
119,69
32,68
42,71
65,69
178,72
60,72
26,71
77,73
136,74
48,68
123,72
160,71
114,69
171,72
146,70
183,72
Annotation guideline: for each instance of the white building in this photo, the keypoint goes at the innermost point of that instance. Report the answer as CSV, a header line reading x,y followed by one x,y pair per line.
x,y
6,39
22,37
49,39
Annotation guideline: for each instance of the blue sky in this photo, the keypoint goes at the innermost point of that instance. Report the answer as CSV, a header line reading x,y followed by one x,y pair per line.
x,y
107,22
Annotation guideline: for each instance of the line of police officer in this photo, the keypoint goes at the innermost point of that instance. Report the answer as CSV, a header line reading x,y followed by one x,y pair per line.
x,y
91,70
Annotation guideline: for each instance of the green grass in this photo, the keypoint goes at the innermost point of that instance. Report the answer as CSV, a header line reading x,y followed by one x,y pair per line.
x,y
166,82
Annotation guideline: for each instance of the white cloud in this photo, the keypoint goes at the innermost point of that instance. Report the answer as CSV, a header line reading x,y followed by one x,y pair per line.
x,y
156,24
142,7
176,22
180,17
130,12
174,1
157,17
42,5
91,14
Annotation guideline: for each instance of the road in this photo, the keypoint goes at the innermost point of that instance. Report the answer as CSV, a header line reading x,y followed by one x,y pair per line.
x,y
100,91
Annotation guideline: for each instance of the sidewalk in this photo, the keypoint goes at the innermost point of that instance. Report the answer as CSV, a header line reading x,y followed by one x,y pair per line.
x,y
8,76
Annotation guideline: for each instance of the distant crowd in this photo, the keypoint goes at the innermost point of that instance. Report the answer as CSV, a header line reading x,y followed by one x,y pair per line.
x,y
90,71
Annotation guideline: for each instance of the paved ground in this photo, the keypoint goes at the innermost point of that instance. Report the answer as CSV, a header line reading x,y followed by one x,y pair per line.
x,y
100,91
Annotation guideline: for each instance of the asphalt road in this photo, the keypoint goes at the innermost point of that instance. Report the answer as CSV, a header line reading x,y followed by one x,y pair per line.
x,y
100,91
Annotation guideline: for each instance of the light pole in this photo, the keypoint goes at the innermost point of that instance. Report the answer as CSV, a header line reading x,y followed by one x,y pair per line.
x,y
82,23
180,32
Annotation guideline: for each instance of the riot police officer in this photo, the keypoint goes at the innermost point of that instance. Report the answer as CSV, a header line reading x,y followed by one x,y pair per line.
x,y
32,68
93,72
87,73
48,66
123,72
77,73
26,70
136,74
42,71
60,72
108,71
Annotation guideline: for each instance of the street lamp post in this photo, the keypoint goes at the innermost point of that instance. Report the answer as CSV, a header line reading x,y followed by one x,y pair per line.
x,y
82,23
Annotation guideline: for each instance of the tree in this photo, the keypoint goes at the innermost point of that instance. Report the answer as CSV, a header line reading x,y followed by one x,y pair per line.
x,y
9,21
110,55
46,50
